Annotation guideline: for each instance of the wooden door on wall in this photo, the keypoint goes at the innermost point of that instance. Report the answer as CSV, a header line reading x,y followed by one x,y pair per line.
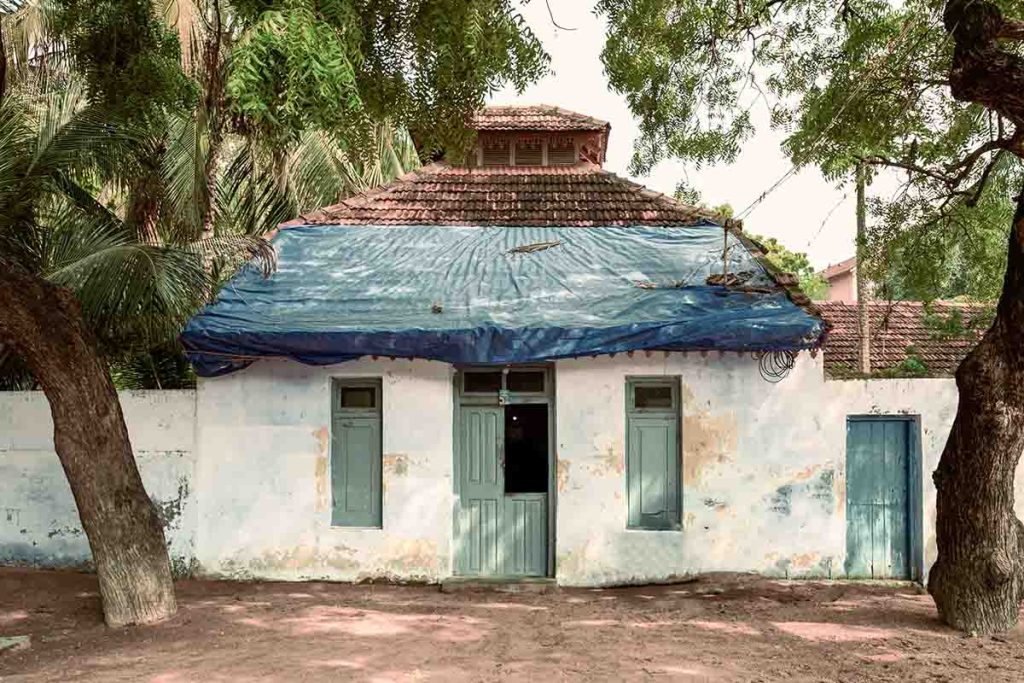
x,y
502,453
879,528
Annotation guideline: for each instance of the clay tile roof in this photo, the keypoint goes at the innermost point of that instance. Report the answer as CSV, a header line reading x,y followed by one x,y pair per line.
x,y
839,268
580,196
541,117
896,327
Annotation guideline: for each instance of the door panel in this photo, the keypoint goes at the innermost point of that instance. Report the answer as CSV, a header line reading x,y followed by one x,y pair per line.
x,y
482,490
356,477
878,535
497,533
653,485
525,532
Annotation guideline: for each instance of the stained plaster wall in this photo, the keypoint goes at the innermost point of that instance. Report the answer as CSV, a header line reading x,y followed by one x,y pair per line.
x,y
763,467
240,471
38,519
264,477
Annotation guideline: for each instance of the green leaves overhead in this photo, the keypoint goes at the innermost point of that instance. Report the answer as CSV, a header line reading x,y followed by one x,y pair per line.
x,y
341,65
845,81
129,60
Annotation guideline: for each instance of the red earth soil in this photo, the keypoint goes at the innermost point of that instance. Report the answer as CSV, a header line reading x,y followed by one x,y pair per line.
x,y
722,627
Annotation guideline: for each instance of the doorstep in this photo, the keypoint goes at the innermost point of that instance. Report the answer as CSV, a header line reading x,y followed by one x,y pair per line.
x,y
499,584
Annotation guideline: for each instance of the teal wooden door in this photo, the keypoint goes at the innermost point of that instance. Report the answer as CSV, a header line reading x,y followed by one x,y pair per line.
x,y
497,533
481,490
878,516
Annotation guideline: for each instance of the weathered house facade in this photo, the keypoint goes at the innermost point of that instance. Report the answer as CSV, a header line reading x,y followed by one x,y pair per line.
x,y
523,366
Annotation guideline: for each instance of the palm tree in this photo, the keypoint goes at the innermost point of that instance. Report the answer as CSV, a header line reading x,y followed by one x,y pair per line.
x,y
76,277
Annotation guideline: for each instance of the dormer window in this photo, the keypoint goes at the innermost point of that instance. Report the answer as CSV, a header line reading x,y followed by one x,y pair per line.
x,y
495,152
562,151
529,152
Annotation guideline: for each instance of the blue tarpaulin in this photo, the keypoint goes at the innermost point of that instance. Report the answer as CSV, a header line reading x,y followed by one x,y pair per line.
x,y
494,295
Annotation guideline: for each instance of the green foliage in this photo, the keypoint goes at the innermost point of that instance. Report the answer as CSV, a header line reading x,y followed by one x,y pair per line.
x,y
952,325
796,262
128,59
341,65
845,81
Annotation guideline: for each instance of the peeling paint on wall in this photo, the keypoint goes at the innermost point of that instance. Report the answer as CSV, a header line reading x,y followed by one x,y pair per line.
x,y
608,461
708,440
321,474
562,475
396,464
169,511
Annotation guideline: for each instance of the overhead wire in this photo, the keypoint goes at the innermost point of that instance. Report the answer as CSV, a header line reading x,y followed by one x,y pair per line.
x,y
832,122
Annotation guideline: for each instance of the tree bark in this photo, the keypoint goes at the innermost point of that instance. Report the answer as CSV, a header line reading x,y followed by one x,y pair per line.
x,y
44,326
863,321
978,579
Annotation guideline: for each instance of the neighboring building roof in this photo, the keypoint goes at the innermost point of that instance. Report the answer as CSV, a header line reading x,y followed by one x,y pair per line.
x,y
581,195
938,336
840,268
494,294
539,117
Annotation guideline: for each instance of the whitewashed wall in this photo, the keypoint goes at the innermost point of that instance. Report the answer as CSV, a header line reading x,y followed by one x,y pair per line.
x,y
264,476
763,466
38,518
240,470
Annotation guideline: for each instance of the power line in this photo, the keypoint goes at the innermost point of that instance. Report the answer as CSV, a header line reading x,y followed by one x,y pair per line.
x,y
835,118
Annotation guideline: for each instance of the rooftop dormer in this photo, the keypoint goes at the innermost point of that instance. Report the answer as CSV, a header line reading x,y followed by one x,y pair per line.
x,y
537,135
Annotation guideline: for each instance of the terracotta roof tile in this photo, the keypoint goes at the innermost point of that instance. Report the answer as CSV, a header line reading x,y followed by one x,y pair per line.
x,y
839,268
582,195
895,327
539,117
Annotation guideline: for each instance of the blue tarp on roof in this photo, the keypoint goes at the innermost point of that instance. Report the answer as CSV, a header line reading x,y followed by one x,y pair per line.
x,y
493,295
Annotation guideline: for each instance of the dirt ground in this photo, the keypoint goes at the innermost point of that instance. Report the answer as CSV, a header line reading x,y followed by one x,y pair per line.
x,y
719,628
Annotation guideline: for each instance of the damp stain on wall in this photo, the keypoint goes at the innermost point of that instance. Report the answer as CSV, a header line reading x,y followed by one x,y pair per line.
x,y
320,474
609,460
708,440
396,464
562,475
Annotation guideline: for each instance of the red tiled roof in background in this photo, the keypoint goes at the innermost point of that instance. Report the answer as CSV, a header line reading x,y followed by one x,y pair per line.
x,y
582,195
895,326
839,268
539,117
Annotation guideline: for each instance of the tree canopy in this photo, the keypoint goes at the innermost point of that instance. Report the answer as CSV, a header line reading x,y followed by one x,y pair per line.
x,y
846,82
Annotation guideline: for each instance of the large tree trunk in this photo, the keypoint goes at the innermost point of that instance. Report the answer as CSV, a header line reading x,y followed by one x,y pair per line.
x,y
978,579
44,326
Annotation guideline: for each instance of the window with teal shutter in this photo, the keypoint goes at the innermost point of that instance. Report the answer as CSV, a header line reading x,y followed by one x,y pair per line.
x,y
356,456
652,453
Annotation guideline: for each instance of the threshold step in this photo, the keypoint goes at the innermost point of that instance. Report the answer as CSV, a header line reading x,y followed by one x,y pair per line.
x,y
499,584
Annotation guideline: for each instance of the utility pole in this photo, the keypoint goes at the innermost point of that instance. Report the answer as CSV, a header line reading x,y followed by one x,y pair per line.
x,y
863,322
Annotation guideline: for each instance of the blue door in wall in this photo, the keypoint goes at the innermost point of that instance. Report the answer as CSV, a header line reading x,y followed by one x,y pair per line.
x,y
879,527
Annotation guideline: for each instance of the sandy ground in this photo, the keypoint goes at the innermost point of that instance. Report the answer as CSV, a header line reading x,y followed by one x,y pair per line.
x,y
720,628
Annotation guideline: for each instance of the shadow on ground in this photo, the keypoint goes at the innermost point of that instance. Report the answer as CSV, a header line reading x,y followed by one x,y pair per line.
x,y
721,628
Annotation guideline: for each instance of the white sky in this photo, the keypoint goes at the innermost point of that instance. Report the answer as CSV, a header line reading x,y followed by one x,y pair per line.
x,y
793,213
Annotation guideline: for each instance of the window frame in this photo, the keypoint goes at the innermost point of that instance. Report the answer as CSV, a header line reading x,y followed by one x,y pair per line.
x,y
674,411
340,414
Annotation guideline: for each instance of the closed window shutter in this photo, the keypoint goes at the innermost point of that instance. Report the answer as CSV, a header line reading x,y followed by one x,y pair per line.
x,y
496,153
529,153
356,456
562,152
652,461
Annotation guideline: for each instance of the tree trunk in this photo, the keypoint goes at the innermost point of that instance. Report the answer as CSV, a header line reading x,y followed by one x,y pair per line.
x,y
863,321
978,579
44,326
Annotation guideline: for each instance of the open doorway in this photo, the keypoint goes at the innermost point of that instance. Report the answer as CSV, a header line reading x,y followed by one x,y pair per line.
x,y
526,448
503,462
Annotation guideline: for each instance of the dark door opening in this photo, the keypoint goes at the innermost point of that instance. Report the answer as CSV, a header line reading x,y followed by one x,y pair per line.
x,y
526,448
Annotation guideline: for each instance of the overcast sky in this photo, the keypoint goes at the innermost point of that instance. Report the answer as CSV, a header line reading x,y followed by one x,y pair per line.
x,y
794,213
